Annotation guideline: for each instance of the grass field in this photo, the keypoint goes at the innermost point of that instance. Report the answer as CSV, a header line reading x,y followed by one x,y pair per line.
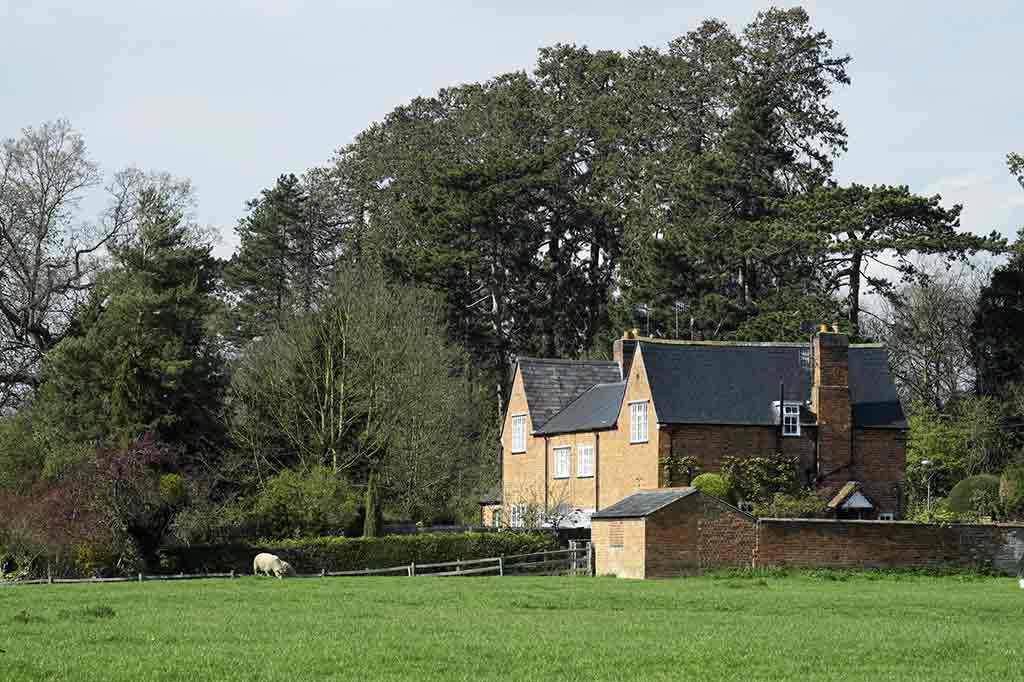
x,y
776,628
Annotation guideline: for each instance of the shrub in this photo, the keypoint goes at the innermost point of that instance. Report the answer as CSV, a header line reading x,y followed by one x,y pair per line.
x,y
312,555
714,485
804,504
758,479
1011,489
307,504
966,495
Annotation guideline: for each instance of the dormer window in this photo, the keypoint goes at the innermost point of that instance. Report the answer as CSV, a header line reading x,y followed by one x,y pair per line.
x,y
791,419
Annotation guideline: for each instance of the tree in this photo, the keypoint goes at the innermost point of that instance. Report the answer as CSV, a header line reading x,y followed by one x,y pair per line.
x,y
854,231
349,387
926,328
140,358
997,332
1016,165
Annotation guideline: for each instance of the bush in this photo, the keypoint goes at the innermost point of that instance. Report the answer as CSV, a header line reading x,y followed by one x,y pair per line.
x,y
310,504
758,479
804,504
968,494
1011,489
352,554
714,485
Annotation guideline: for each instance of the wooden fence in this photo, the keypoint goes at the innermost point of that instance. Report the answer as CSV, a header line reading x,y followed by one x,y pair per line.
x,y
576,561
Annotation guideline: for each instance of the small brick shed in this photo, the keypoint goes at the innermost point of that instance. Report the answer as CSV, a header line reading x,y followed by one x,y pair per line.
x,y
670,532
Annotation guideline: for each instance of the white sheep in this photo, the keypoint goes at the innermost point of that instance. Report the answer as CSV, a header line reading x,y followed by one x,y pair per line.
x,y
271,564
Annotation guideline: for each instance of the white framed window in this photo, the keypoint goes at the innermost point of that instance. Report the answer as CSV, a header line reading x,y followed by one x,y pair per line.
x,y
496,518
886,516
638,422
791,419
562,456
518,433
517,515
584,461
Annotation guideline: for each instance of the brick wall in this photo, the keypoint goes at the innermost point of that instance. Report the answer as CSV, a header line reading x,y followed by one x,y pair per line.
x,y
880,544
671,536
830,401
710,444
880,463
726,537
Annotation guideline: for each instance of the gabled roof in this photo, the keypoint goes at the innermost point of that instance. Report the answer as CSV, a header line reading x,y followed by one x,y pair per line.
x,y
850,496
597,408
551,385
739,383
643,503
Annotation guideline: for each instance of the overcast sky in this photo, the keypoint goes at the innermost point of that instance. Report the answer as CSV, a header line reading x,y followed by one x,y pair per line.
x,y
231,94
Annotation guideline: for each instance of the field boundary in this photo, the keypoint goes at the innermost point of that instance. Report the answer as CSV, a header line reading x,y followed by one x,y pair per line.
x,y
576,561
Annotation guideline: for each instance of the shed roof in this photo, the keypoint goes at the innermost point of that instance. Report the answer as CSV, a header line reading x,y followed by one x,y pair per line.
x,y
597,408
643,503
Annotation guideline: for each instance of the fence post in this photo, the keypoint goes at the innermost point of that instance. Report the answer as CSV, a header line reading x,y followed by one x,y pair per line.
x,y
501,565
140,577
49,574
323,572
232,574
590,558
458,566
412,569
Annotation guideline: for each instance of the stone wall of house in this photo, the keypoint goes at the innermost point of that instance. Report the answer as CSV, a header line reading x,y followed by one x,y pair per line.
x,y
878,544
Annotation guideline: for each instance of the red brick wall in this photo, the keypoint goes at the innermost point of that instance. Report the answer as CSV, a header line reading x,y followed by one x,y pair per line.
x,y
712,443
830,398
726,537
880,544
672,539
880,463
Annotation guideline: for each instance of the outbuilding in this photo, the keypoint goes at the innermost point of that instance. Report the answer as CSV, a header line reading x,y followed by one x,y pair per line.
x,y
670,532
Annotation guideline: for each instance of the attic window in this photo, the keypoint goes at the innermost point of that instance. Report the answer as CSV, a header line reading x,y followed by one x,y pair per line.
x,y
790,417
519,433
638,421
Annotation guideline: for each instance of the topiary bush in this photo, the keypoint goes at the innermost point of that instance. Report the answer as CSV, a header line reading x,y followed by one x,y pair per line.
x,y
968,494
312,555
804,504
714,485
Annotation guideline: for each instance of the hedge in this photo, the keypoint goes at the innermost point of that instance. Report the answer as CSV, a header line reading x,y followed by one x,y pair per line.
x,y
313,555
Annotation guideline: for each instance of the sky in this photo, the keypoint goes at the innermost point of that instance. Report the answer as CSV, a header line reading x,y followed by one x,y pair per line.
x,y
231,94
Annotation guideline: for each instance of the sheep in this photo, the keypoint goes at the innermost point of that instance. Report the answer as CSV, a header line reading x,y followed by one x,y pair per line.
x,y
271,564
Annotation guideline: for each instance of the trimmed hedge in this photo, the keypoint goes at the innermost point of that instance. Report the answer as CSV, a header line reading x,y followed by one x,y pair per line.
x,y
714,485
313,555
961,498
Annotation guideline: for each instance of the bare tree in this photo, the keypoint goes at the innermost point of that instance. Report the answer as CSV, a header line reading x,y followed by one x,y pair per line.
x,y
928,331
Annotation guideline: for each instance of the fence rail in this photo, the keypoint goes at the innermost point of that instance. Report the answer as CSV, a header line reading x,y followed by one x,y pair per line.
x,y
575,561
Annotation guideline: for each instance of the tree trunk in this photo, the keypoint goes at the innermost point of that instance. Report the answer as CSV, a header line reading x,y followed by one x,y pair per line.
x,y
372,525
854,297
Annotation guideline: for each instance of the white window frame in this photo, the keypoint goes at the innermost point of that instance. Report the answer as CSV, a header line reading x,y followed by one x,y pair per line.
x,y
563,462
584,461
886,516
496,518
791,410
639,422
518,434
517,515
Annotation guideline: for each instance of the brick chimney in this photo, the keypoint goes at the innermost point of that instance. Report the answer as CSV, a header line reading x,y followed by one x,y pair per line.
x,y
830,400
622,351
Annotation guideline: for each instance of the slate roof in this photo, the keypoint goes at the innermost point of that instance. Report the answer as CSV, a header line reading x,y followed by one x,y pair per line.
x,y
550,385
643,503
597,408
737,383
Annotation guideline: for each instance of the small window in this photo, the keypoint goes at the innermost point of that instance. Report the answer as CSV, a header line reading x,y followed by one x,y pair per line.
x,y
745,506
517,515
638,422
584,461
886,516
519,433
496,518
791,419
562,462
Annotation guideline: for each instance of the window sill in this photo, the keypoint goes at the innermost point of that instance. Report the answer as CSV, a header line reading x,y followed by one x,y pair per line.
x,y
517,452
561,478
639,442
584,475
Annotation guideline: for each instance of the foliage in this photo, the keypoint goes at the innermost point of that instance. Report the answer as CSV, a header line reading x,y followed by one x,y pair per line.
x,y
304,504
974,495
712,484
969,438
1011,489
758,479
311,555
804,504
997,335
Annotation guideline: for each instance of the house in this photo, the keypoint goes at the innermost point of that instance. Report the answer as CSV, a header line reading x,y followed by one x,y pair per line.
x,y
579,436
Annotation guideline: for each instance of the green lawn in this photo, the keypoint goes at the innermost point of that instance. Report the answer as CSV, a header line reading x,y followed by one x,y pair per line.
x,y
911,628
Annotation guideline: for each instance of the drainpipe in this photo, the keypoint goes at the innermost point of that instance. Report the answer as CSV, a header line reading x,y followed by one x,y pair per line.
x,y
545,510
597,470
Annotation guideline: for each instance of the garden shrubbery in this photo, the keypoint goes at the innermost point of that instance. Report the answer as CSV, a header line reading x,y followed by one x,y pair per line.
x,y
313,555
714,485
975,495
